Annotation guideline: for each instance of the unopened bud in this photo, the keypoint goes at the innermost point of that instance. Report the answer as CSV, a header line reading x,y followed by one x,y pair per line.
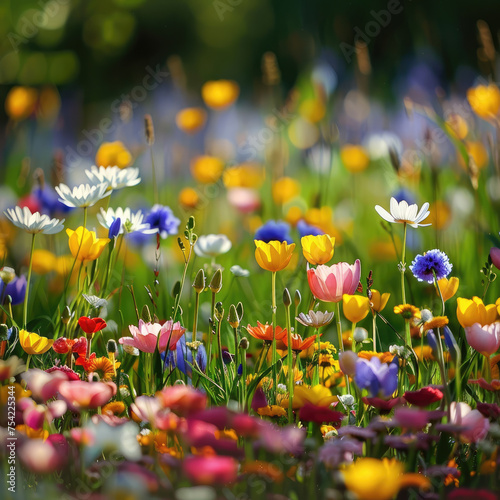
x,y
297,298
66,315
146,314
7,274
244,344
233,318
287,300
4,331
240,311
216,281
219,311
199,281
360,334
111,347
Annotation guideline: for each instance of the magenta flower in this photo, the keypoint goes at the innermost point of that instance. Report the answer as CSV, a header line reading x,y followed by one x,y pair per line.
x,y
211,470
81,395
329,283
484,339
43,385
44,457
475,426
145,337
495,256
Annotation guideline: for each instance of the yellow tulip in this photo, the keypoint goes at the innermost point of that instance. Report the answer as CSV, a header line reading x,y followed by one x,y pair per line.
x,y
379,301
220,94
110,154
207,169
448,287
317,395
355,158
477,152
190,120
19,392
273,256
484,100
32,343
470,311
285,189
318,249
374,479
356,307
456,125
497,303
84,245
43,261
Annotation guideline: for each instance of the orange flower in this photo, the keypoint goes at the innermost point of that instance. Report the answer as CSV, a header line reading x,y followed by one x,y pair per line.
x,y
191,120
220,94
272,411
265,332
207,169
189,198
261,468
297,343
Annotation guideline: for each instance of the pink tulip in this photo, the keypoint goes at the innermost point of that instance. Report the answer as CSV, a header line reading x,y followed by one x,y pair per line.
x,y
410,418
329,283
476,426
43,457
43,385
486,339
145,337
182,399
146,408
211,470
495,257
81,395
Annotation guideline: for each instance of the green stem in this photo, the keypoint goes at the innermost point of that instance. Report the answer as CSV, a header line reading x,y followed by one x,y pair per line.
x,y
195,322
274,353
403,264
25,309
290,365
316,370
28,362
374,332
155,185
341,343
211,326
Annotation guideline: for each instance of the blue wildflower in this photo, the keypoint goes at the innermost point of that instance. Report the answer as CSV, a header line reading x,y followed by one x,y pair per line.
x,y
114,228
405,194
433,260
306,229
163,220
49,201
182,357
274,231
380,379
16,289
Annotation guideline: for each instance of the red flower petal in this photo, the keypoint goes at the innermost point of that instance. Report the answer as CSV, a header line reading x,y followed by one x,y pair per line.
x,y
423,397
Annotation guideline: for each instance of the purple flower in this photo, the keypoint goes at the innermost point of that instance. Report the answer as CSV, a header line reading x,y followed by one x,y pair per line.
x,y
163,220
380,379
274,231
114,228
49,201
433,261
16,289
182,357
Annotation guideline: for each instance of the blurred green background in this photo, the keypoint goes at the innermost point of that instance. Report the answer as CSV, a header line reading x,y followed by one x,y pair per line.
x,y
99,46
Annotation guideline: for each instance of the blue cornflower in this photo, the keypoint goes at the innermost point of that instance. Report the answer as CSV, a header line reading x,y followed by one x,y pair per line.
x,y
433,260
163,220
49,201
380,379
274,231
306,229
182,357
405,194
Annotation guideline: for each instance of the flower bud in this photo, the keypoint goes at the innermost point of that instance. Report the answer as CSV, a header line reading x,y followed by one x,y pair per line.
x,y
360,334
7,274
199,281
216,281
240,311
111,347
347,362
244,344
297,298
287,300
4,330
233,318
66,315
219,311
346,399
146,314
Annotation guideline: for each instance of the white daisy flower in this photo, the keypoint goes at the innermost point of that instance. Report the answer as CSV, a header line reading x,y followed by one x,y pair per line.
x,y
33,223
130,222
239,272
403,213
84,195
116,177
212,245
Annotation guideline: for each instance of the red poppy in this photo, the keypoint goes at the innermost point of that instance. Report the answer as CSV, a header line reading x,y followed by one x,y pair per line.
x,y
64,346
424,396
265,332
320,414
489,410
91,325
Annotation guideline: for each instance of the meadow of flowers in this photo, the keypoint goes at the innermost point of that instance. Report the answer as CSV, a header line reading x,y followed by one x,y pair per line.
x,y
290,311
